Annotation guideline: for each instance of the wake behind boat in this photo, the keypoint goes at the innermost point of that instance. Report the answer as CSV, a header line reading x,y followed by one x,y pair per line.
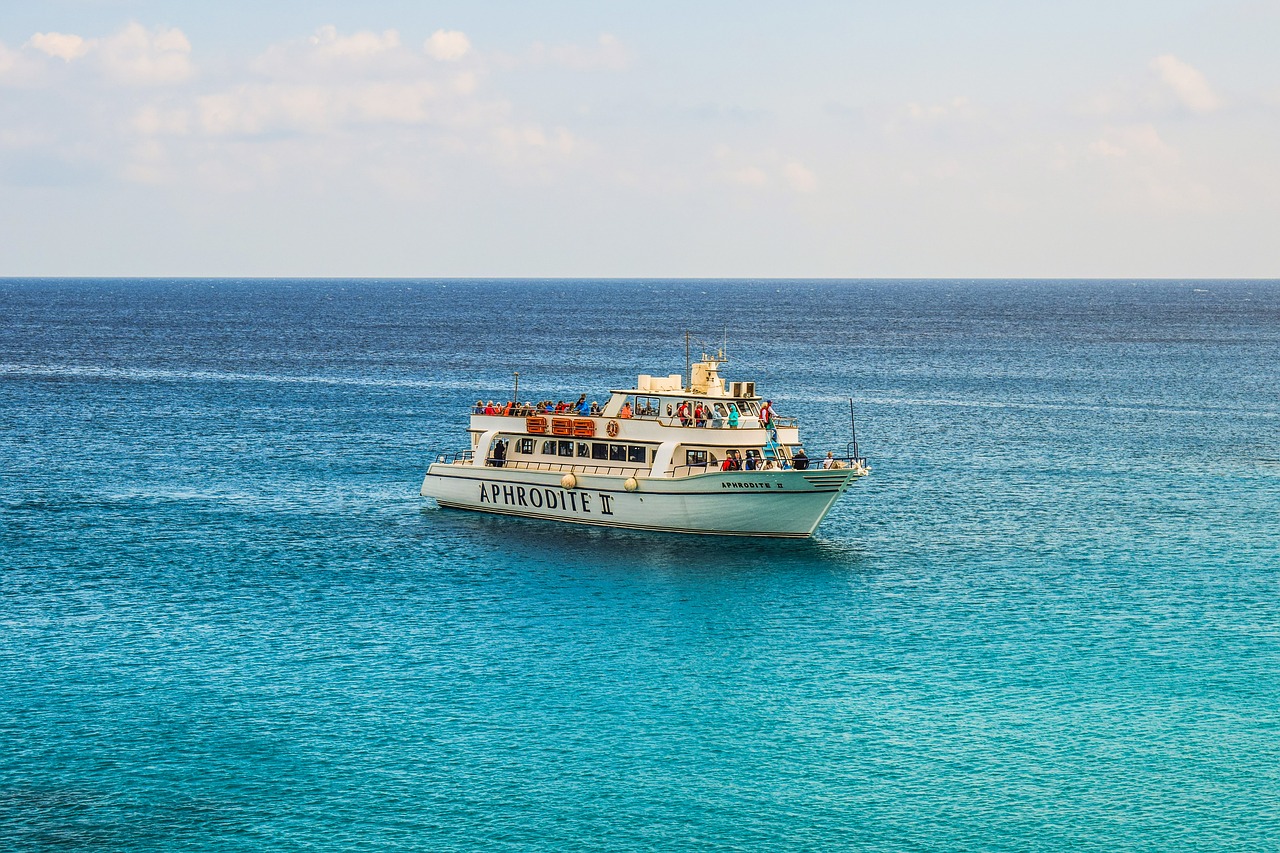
x,y
709,458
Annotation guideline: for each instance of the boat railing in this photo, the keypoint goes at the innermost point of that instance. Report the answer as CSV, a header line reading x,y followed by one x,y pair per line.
x,y
818,463
639,415
456,457
575,467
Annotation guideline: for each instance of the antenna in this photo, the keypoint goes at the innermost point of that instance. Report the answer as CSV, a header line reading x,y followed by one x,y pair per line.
x,y
853,429
688,369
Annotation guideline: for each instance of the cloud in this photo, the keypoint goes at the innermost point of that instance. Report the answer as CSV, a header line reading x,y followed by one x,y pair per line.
x,y
1187,83
63,46
330,45
134,56
799,177
447,45
763,172
139,56
1140,142
1167,87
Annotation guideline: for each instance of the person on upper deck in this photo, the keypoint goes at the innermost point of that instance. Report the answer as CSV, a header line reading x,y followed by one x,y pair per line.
x,y
625,412
682,412
766,414
733,416
595,409
490,409
478,409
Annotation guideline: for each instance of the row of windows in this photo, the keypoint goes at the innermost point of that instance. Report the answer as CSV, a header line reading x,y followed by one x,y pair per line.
x,y
700,457
652,406
587,450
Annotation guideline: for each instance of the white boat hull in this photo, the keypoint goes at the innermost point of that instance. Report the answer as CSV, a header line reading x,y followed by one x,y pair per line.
x,y
738,503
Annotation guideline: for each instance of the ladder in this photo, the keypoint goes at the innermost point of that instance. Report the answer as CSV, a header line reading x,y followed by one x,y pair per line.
x,y
772,450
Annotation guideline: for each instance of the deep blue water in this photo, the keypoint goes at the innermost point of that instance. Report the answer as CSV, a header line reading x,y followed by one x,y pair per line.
x,y
1049,620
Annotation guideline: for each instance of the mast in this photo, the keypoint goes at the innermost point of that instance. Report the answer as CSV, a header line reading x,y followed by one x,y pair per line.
x,y
688,368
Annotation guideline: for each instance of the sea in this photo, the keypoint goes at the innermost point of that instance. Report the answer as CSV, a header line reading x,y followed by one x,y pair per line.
x,y
1048,620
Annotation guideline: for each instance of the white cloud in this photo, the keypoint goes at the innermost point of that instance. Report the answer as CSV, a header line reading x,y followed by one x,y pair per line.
x,y
361,44
763,172
799,178
748,176
1138,142
136,55
447,45
63,46
1187,83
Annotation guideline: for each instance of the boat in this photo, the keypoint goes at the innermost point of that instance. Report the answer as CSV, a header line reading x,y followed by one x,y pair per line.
x,y
686,453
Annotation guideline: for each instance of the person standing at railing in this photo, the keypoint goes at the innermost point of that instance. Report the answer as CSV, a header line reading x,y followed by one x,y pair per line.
x,y
766,414
716,415
733,416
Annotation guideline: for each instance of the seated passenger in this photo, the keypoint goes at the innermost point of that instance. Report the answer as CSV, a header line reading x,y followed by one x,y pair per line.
x,y
490,409
800,461
626,411
478,409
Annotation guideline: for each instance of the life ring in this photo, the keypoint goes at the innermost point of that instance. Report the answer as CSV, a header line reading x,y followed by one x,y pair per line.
x,y
612,429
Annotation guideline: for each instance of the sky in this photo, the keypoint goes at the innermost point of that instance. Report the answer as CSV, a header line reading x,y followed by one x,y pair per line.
x,y
410,138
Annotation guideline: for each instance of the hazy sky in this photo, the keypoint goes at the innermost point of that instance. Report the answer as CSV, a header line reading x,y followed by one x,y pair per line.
x,y
828,139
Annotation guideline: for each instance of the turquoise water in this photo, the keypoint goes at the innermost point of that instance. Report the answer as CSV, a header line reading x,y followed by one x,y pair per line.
x,y
1047,621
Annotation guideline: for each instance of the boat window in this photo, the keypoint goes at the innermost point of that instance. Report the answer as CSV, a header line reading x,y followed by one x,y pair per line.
x,y
599,451
525,445
617,453
695,457
637,454
548,448
584,449
564,448
647,407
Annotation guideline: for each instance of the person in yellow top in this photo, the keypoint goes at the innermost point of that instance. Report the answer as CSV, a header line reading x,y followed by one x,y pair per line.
x,y
626,411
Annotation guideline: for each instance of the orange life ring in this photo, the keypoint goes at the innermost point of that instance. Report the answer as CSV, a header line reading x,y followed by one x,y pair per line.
x,y
612,428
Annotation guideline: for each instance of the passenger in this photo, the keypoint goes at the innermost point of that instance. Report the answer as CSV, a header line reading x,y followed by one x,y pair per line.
x,y
595,409
727,465
716,413
683,413
800,461
490,409
733,416
750,464
768,465
829,461
479,408
700,415
766,413
506,410
583,408
626,410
